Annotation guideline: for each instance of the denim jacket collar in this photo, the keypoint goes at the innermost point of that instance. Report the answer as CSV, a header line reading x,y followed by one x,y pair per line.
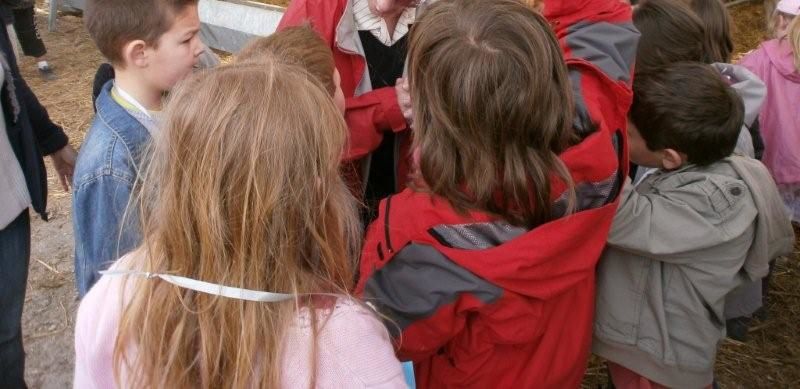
x,y
132,133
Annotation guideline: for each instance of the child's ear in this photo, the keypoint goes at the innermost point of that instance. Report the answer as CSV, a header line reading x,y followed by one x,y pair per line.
x,y
672,159
134,53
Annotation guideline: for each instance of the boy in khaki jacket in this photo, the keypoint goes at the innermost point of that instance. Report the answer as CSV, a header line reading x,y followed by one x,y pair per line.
x,y
698,227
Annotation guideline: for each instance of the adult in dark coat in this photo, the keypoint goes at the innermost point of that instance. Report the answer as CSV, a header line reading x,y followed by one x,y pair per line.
x,y
26,135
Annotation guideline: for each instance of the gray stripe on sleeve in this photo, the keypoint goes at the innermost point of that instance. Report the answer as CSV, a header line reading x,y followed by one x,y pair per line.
x,y
611,47
418,281
476,236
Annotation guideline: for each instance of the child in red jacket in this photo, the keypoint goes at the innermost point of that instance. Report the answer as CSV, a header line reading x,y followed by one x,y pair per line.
x,y
484,268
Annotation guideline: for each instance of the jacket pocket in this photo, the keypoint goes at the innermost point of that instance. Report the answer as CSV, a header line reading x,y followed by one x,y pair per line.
x,y
694,341
620,297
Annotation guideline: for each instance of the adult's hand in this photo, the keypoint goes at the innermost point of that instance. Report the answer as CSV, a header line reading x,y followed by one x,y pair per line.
x,y
64,163
404,98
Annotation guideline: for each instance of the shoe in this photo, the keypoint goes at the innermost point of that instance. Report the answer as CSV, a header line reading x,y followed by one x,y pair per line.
x,y
47,73
761,314
737,328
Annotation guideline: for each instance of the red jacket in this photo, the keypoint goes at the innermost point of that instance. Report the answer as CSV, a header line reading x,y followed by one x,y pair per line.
x,y
476,302
368,112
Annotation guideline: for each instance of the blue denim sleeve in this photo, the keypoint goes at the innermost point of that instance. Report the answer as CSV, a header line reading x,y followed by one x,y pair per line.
x,y
105,228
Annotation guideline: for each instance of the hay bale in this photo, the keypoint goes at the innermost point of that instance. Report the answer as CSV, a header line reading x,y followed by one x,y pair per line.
x,y
748,27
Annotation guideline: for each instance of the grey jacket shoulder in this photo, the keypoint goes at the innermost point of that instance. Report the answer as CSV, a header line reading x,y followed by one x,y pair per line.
x,y
671,213
774,234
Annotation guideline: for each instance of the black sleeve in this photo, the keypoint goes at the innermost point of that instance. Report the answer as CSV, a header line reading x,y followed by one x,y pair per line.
x,y
758,141
49,136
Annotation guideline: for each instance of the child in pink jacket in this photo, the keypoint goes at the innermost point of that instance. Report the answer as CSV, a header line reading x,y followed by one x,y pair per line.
x,y
777,63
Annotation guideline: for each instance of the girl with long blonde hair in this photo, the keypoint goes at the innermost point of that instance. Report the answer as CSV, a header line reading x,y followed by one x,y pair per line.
x,y
249,245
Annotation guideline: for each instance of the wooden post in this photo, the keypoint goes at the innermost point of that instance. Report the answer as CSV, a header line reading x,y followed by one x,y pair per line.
x,y
51,18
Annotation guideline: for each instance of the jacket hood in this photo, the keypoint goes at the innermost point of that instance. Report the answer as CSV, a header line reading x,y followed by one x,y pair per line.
x,y
781,56
774,235
547,260
747,85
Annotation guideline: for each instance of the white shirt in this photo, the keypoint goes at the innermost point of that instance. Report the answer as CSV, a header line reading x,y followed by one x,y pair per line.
x,y
14,195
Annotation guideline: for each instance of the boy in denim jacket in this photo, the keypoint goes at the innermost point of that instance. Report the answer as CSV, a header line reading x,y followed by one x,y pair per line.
x,y
697,228
152,44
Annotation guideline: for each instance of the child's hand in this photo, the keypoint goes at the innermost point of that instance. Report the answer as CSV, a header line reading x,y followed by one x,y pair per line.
x,y
404,98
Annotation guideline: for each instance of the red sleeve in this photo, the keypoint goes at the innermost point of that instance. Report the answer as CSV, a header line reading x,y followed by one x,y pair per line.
x,y
321,14
367,116
400,296
600,32
599,43
423,296
426,336
295,14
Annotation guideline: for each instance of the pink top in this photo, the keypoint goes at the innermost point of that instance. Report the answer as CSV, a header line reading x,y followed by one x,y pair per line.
x,y
354,347
780,116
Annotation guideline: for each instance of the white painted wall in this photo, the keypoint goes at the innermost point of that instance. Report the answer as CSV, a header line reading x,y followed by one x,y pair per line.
x,y
239,17
228,25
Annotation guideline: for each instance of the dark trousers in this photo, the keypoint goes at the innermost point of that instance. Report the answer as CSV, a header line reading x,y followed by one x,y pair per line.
x,y
29,39
15,252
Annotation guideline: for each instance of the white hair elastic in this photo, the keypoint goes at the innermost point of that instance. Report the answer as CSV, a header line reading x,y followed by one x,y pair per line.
x,y
207,287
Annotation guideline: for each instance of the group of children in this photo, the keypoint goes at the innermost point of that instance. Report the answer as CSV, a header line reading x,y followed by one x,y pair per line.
x,y
517,244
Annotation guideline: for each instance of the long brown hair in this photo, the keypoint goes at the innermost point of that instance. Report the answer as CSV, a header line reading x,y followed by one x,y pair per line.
x,y
299,44
243,190
717,24
492,107
671,33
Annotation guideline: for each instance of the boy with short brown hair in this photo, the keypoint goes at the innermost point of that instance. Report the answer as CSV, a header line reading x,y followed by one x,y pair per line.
x,y
152,44
702,224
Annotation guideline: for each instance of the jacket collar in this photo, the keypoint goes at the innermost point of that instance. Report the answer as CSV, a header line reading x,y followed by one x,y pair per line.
x,y
347,40
132,133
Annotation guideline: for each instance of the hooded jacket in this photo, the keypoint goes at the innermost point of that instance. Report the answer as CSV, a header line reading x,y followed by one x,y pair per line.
x,y
752,92
477,302
773,62
680,242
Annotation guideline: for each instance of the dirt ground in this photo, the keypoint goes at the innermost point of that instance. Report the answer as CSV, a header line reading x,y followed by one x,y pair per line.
x,y
770,359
